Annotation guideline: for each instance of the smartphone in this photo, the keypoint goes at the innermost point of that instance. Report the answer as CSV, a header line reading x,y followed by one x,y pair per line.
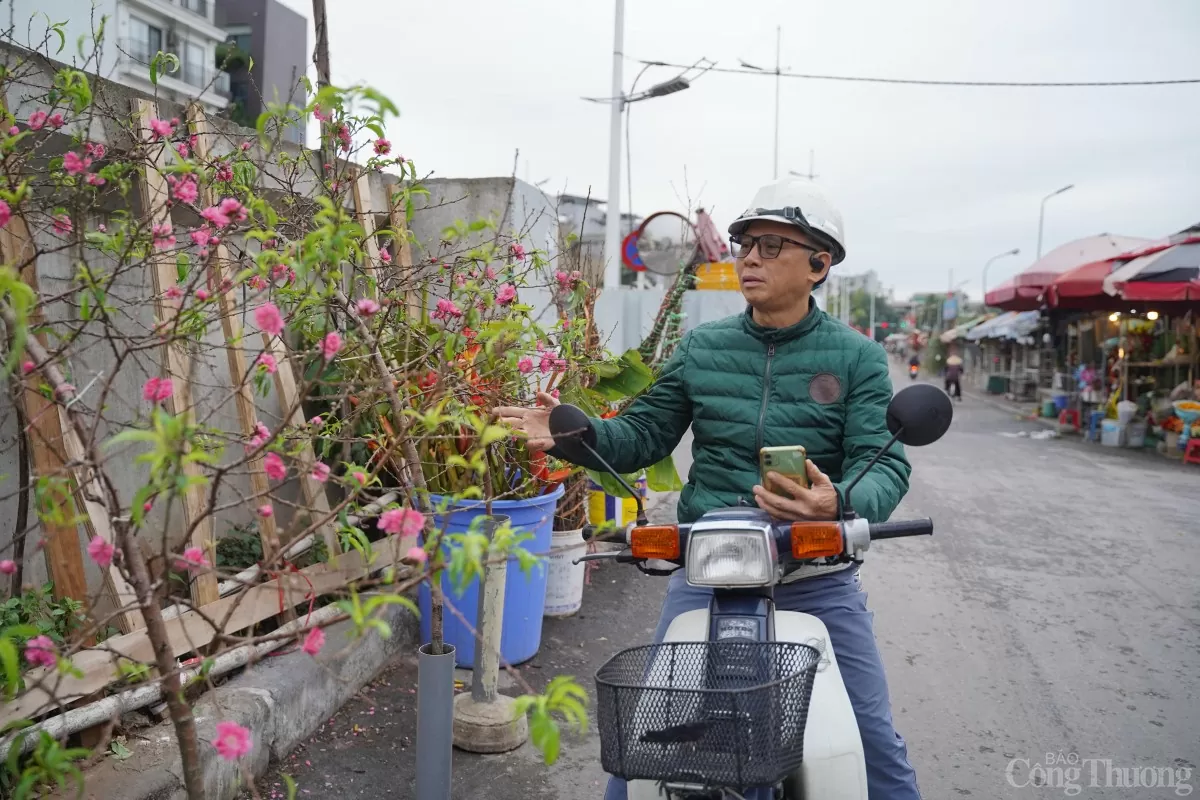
x,y
789,461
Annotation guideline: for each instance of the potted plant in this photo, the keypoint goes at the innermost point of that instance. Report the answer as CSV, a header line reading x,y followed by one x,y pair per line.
x,y
483,351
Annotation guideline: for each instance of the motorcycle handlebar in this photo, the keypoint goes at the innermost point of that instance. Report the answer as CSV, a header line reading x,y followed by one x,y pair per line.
x,y
908,527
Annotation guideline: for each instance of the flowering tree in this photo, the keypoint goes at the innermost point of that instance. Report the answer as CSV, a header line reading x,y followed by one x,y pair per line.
x,y
205,333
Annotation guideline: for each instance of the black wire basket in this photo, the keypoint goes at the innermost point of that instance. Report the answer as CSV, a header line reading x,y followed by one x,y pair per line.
x,y
719,714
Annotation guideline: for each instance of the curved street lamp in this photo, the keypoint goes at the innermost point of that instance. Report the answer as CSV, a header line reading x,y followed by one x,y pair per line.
x,y
1042,215
983,281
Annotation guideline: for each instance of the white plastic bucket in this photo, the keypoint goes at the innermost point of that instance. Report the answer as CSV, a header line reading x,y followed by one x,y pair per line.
x,y
1126,411
564,580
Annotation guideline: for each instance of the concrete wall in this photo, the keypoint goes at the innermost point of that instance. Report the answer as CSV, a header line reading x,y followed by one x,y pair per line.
x,y
625,317
518,208
93,364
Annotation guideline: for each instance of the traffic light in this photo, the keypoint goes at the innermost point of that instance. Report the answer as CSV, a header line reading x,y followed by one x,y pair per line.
x,y
883,324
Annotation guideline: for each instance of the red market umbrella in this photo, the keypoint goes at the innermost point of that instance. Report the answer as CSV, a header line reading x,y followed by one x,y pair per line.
x,y
1083,288
1166,274
1040,274
1010,297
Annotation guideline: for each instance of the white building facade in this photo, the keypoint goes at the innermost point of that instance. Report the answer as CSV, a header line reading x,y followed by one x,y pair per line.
x,y
134,31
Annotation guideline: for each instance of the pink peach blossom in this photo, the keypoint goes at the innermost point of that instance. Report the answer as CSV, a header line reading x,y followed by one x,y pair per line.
x,y
525,365
320,472
37,120
316,422
274,467
265,510
314,641
518,252
403,521
417,554
5,213
74,165
385,256
382,147
330,345
224,172
367,307
40,652
269,319
101,552
185,189
161,128
163,236
28,367
202,295
156,390
8,566
192,559
55,120
63,224
94,179
233,741
95,149
506,294
268,363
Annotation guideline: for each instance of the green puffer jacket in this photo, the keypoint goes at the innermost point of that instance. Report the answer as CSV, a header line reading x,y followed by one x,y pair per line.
x,y
741,387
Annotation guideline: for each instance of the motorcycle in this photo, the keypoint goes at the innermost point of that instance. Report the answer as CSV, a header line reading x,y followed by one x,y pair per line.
x,y
741,700
913,369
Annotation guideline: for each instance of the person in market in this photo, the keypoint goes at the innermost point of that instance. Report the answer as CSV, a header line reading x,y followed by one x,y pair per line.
x,y
826,387
952,375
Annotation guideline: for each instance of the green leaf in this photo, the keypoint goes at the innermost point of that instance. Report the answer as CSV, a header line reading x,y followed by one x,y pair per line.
x,y
119,751
12,665
633,379
610,485
663,476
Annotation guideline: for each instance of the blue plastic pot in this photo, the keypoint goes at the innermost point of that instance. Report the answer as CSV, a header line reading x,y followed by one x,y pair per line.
x,y
524,594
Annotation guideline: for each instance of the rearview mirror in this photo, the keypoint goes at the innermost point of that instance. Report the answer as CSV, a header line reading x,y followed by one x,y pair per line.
x,y
919,415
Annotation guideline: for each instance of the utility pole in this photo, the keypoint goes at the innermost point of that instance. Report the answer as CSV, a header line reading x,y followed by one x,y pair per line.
x,y
612,224
778,41
811,175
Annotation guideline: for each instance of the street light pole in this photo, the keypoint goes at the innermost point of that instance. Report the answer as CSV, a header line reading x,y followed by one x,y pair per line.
x,y
778,40
1042,215
612,225
983,280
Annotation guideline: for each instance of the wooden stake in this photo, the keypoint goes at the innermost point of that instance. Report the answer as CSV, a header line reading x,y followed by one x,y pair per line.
x,y
285,387
154,199
399,223
64,556
231,326
366,219
96,522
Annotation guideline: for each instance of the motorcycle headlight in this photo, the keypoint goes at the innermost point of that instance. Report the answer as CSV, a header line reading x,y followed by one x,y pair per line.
x,y
731,558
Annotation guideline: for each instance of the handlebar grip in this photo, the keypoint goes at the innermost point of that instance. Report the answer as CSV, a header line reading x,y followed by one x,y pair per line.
x,y
908,527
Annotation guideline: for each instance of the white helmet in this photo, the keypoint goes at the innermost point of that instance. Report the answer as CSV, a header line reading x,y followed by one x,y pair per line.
x,y
797,202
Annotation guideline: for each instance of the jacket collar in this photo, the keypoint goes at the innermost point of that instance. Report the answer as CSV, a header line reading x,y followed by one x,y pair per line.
x,y
811,320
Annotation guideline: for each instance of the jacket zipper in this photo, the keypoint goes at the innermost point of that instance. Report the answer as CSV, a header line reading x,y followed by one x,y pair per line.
x,y
766,394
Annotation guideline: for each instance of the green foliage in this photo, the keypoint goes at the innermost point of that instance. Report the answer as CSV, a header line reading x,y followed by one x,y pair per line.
x,y
239,548
38,612
48,765
563,698
471,551
363,613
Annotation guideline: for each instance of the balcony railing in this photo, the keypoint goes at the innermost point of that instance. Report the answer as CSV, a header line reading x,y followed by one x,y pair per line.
x,y
197,6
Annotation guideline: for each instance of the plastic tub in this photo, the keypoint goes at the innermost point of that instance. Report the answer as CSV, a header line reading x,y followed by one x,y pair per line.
x,y
1112,433
564,579
524,595
1126,410
1135,435
1049,409
1060,402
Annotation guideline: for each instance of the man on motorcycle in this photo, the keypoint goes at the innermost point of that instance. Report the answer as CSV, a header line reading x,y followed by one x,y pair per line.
x,y
782,373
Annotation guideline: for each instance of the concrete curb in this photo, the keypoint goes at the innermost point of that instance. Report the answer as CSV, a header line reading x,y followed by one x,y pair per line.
x,y
282,700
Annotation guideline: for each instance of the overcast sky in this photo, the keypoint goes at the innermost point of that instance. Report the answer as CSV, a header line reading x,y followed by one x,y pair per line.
x,y
929,179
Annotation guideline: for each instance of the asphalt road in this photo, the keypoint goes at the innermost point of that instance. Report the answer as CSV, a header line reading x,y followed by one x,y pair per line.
x,y
1053,619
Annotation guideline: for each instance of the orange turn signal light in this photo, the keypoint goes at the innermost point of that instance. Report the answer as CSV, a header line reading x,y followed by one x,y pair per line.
x,y
655,541
816,539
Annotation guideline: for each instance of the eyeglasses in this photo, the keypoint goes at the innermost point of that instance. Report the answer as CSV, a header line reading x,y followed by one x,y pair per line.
x,y
769,244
